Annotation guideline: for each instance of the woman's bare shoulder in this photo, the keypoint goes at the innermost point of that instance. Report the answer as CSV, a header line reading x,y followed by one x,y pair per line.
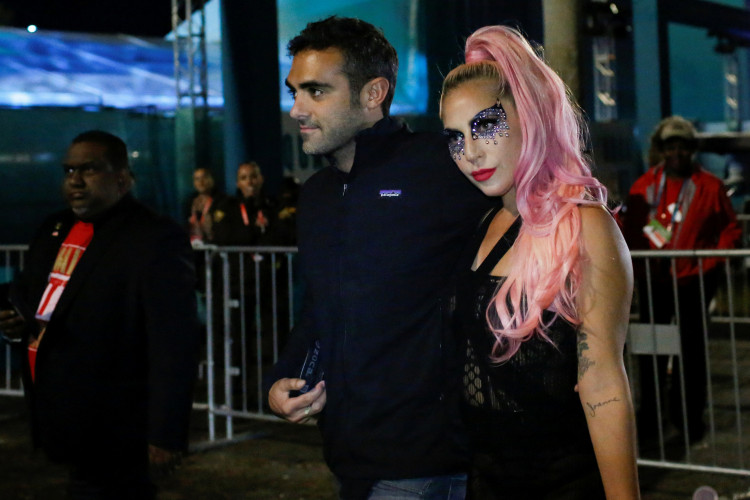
x,y
601,237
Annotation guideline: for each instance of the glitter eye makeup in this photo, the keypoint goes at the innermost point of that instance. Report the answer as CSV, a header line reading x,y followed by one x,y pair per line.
x,y
486,124
455,142
490,122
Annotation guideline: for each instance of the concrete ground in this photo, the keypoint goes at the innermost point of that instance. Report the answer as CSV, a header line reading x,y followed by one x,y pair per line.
x,y
271,460
274,461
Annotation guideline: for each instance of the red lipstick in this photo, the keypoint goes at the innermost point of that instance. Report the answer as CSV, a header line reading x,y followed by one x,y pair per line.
x,y
483,174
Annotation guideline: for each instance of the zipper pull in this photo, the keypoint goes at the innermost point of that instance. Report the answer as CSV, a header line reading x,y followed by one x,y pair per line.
x,y
346,186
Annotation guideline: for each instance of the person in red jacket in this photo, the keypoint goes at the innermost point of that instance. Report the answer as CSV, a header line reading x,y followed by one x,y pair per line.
x,y
678,205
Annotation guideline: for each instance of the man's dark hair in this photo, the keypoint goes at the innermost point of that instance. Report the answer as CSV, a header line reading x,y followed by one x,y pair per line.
x,y
367,53
115,152
205,169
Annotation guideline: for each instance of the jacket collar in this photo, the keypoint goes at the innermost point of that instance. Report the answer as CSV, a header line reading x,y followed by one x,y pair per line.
x,y
106,229
371,139
385,126
122,206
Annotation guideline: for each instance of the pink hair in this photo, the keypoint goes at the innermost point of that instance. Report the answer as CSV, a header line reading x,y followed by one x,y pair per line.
x,y
552,179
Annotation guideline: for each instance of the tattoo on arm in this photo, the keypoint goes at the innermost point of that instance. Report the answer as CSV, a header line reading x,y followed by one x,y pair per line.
x,y
584,363
594,407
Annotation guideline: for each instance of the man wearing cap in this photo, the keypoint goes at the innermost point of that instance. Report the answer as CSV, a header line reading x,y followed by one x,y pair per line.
x,y
677,205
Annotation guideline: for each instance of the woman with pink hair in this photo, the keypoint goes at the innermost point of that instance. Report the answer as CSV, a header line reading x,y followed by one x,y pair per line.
x,y
542,308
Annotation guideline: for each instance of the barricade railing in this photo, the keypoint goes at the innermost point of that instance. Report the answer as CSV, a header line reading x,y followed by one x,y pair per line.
x,y
744,221
247,303
249,295
705,357
725,334
12,259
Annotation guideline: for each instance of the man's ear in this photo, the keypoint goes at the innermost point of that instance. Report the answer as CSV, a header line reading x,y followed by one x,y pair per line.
x,y
374,93
124,180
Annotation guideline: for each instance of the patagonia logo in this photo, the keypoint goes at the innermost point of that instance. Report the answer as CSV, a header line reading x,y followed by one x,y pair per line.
x,y
390,193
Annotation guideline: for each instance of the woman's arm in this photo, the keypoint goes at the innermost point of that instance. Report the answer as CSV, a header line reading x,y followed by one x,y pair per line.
x,y
604,301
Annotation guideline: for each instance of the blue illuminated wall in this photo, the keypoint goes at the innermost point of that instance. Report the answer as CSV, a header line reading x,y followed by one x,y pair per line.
x,y
33,143
49,68
697,74
400,23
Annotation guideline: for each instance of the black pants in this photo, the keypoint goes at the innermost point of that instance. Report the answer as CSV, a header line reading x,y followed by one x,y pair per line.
x,y
111,480
691,316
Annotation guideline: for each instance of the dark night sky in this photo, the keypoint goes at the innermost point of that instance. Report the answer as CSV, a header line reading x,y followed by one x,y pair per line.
x,y
133,17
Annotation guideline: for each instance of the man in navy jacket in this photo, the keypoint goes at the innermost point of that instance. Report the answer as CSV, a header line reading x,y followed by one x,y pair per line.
x,y
379,232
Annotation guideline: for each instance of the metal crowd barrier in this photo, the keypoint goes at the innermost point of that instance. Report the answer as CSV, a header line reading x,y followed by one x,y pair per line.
x,y
11,262
725,330
250,295
246,299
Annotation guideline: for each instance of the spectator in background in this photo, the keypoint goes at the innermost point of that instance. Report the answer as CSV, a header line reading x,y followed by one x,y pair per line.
x,y
202,206
249,217
106,310
677,205
735,183
287,212
286,235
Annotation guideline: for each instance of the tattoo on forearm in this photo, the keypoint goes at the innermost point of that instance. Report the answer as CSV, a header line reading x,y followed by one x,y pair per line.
x,y
594,407
584,363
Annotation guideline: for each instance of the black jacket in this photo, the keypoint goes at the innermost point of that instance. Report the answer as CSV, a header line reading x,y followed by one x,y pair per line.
x,y
116,365
229,227
377,248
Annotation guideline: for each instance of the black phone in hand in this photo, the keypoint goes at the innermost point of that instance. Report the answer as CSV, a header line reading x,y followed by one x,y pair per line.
x,y
311,370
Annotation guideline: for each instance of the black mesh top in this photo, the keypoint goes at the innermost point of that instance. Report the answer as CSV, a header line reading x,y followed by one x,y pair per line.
x,y
528,404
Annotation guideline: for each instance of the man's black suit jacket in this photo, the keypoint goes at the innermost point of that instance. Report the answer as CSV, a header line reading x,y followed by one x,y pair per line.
x,y
116,366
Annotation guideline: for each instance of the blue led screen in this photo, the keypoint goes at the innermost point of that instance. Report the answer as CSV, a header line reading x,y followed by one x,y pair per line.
x,y
49,68
75,69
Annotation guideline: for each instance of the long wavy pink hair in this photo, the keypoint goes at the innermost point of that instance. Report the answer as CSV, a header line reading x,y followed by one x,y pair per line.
x,y
552,179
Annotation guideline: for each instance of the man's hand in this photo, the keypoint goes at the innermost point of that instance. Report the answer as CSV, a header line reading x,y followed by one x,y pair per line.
x,y
162,462
297,409
11,324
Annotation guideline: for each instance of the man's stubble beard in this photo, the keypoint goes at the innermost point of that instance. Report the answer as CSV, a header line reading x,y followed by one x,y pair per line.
x,y
337,135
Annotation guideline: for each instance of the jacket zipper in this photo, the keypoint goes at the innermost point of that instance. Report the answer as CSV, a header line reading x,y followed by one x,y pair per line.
x,y
344,332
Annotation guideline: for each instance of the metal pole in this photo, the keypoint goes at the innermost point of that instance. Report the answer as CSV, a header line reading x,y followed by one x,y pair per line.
x,y
210,347
227,343
735,370
243,329
257,258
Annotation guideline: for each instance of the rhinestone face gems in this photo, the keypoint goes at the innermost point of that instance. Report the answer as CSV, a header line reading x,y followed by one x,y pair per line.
x,y
490,122
487,125
456,143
